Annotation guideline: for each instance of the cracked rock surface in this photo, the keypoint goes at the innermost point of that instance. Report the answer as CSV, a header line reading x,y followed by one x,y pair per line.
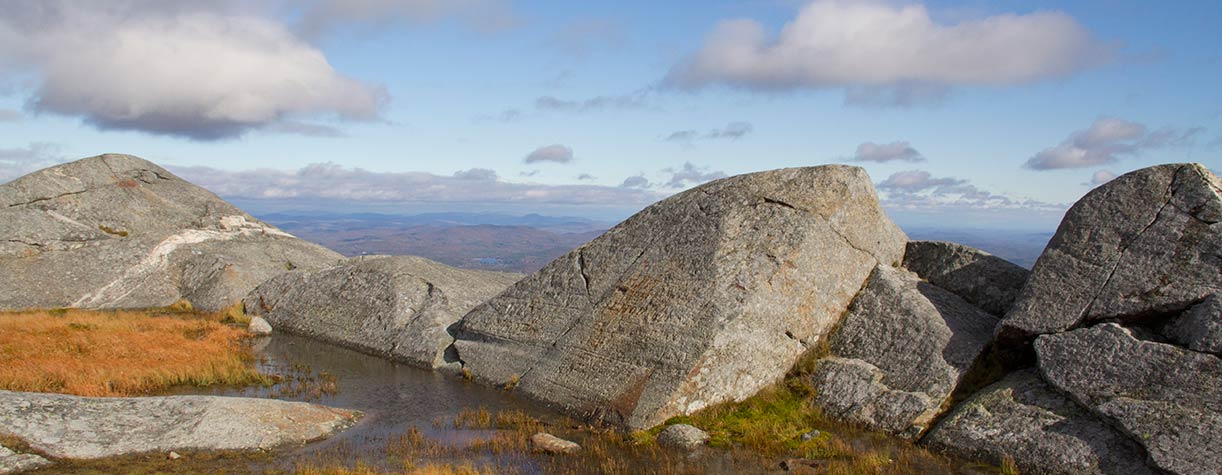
x,y
397,307
117,231
75,427
980,278
705,297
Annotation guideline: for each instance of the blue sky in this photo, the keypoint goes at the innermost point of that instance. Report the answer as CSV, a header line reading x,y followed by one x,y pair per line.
x,y
965,113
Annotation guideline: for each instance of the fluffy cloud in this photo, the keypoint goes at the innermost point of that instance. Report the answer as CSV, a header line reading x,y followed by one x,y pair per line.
x,y
690,174
552,153
921,191
1105,141
197,70
732,131
636,181
15,162
871,47
1100,177
901,151
330,181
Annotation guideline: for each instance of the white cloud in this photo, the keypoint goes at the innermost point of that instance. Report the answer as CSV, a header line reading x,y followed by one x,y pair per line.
x,y
15,162
732,131
329,181
901,151
552,153
1105,141
199,71
918,190
690,174
873,46
1100,177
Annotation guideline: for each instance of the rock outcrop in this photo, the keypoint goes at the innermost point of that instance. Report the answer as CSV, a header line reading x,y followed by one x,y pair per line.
x,y
397,307
88,428
13,462
1165,398
1199,328
898,354
980,278
1143,246
705,297
1043,432
117,231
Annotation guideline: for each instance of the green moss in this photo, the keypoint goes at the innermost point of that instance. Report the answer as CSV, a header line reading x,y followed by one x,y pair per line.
x,y
109,230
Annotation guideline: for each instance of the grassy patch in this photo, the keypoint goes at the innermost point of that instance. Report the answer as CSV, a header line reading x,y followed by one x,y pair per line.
x,y
121,353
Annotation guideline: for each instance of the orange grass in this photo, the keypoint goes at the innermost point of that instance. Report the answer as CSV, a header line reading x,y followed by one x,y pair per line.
x,y
121,353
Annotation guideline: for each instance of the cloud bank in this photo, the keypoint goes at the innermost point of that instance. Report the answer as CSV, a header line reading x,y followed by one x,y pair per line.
x,y
919,190
894,151
15,162
1106,141
732,131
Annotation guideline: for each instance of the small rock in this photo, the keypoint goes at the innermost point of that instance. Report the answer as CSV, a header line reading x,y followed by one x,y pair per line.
x,y
553,445
259,326
682,436
803,465
810,435
173,456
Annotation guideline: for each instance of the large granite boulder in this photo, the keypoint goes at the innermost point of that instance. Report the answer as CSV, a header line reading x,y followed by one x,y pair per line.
x,y
1199,328
1165,398
899,353
705,297
980,278
75,427
117,231
1042,431
397,307
1143,246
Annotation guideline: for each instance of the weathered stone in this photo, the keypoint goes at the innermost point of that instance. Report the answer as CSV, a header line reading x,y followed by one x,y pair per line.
x,y
13,462
707,296
551,444
117,231
74,427
982,279
899,353
1165,398
259,327
1200,327
398,307
1043,432
1145,245
682,436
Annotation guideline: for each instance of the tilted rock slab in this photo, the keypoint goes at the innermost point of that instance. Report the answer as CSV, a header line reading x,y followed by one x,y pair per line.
x,y
13,462
116,231
705,297
1045,433
1145,245
1199,328
1166,398
397,307
980,278
899,353
75,427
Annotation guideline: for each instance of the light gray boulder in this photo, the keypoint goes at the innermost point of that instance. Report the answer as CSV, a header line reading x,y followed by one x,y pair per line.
x,y
398,307
551,444
682,436
899,353
1143,246
1199,328
13,462
259,327
705,297
116,231
982,279
1042,431
1165,398
74,427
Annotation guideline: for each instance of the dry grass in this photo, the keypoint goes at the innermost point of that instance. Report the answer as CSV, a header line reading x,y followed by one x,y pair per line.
x,y
122,353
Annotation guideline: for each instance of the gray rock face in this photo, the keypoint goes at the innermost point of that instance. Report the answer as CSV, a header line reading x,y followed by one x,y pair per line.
x,y
704,297
398,307
117,231
1165,398
682,436
1045,433
899,353
980,278
88,428
1199,328
13,462
1146,244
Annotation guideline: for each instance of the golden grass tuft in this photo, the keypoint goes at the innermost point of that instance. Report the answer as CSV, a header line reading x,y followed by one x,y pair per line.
x,y
121,353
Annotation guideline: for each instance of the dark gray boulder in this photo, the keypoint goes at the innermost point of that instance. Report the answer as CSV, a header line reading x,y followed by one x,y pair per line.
x,y
116,231
705,297
1199,328
1043,432
1165,398
398,307
899,353
1143,246
982,279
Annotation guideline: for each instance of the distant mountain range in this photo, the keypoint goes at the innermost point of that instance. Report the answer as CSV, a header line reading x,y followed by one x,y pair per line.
x,y
506,242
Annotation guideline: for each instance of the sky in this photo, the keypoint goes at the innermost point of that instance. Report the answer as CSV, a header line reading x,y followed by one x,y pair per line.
x,y
973,113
